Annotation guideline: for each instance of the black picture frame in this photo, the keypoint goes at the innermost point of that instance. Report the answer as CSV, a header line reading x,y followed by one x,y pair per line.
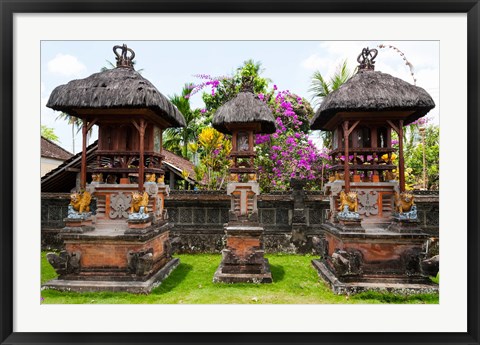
x,y
10,7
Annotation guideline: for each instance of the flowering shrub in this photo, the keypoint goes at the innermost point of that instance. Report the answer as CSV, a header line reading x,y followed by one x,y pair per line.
x,y
214,149
288,153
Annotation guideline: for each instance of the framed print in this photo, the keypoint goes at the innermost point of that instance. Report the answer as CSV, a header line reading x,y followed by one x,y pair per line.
x,y
29,27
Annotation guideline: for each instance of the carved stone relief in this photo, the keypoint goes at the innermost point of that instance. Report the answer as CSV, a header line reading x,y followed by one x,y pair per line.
x,y
119,205
368,202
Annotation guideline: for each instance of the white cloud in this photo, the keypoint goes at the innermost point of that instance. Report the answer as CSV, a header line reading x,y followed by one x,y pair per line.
x,y
66,65
315,62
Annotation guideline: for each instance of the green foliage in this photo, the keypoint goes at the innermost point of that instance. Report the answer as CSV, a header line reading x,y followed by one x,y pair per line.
x,y
213,148
178,139
321,87
49,133
227,88
295,282
436,279
414,156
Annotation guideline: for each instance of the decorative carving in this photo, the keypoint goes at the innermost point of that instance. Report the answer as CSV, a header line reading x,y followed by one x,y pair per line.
x,y
368,201
151,188
365,59
412,259
65,263
150,178
347,262
390,176
139,200
122,59
98,178
403,202
140,263
320,244
430,266
81,201
119,204
350,200
161,180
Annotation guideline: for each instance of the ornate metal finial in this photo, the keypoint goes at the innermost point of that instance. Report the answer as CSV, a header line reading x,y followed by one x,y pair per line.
x,y
365,59
247,84
122,59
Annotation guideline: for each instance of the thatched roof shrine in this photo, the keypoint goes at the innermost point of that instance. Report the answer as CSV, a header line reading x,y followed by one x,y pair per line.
x,y
245,108
374,92
118,88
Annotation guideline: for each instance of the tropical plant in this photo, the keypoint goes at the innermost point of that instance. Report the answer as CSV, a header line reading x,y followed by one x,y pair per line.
x,y
49,133
214,149
178,139
75,122
322,87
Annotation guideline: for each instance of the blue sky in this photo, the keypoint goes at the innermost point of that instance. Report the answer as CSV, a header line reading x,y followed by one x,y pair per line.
x,y
171,64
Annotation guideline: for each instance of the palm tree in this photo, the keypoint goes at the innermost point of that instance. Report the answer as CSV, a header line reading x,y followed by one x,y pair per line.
x,y
320,87
75,122
177,139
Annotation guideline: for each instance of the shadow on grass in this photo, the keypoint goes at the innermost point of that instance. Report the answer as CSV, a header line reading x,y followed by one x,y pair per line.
x,y
174,279
278,273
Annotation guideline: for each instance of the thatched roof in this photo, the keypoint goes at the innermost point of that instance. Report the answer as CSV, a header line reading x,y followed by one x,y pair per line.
x,y
118,88
370,91
245,108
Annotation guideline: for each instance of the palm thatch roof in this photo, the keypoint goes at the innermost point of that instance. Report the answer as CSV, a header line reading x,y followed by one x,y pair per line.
x,y
245,108
118,88
370,91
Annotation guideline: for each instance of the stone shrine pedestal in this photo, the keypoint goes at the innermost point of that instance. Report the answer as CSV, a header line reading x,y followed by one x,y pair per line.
x,y
243,257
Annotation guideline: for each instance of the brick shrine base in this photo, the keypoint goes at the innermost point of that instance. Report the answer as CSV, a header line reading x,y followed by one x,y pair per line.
x,y
242,258
375,260
137,287
111,258
373,283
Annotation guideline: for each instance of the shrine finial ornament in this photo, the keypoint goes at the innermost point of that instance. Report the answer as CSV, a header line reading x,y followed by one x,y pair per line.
x,y
122,59
365,59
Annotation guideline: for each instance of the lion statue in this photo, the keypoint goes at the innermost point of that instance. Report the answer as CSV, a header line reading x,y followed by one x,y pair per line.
x,y
97,177
139,200
403,202
348,199
150,177
390,176
81,201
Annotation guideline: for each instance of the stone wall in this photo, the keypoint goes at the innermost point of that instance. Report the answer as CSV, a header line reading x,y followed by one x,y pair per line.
x,y
198,218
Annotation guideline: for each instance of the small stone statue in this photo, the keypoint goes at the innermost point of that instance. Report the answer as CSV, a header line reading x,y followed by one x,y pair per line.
x,y
150,178
139,200
81,201
403,202
412,214
350,200
97,178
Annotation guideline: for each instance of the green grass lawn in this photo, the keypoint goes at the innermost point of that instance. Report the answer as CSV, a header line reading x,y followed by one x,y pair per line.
x,y
295,282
